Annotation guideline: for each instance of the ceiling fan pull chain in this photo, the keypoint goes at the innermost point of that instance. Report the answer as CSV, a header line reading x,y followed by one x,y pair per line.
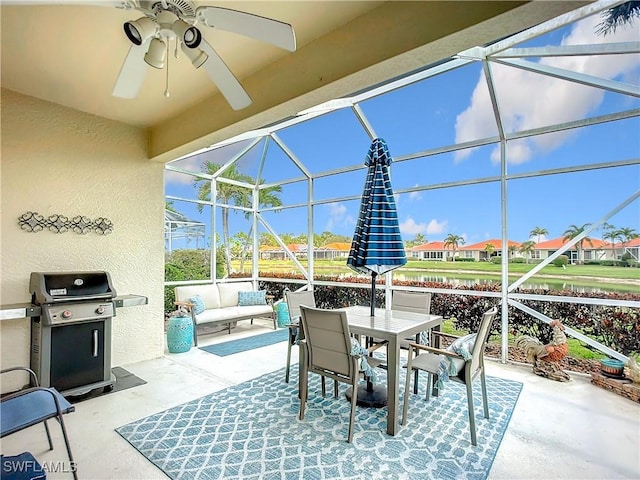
x,y
166,89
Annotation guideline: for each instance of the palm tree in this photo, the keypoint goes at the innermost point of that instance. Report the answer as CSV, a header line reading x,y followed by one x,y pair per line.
x,y
267,197
489,248
453,241
229,194
625,235
538,232
527,248
610,233
618,16
419,239
572,232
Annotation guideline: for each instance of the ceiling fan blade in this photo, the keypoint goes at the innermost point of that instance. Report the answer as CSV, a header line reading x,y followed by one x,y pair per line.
x,y
90,3
132,72
264,29
225,80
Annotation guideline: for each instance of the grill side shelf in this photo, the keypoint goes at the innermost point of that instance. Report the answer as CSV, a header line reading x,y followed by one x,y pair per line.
x,y
19,310
130,301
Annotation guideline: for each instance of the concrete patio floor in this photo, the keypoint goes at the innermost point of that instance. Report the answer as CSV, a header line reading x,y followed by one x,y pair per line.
x,y
569,430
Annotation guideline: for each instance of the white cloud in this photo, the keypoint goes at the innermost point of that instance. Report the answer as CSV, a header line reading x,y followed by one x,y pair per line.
x,y
338,216
410,227
530,100
436,228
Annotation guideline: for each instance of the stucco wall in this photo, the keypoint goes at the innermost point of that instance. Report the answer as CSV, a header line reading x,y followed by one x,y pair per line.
x,y
57,160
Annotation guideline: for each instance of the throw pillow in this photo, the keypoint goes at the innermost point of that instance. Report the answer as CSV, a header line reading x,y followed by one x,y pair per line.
x,y
198,304
463,347
252,298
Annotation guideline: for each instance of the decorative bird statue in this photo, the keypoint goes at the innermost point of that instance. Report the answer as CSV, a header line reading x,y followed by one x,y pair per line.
x,y
633,370
545,358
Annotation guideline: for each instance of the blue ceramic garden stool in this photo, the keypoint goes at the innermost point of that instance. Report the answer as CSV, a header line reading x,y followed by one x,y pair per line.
x,y
283,314
180,334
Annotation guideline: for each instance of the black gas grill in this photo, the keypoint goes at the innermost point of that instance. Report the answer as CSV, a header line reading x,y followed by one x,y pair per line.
x,y
71,339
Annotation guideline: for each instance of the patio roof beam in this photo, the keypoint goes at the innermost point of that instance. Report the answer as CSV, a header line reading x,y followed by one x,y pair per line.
x,y
580,168
581,300
190,200
291,155
570,50
362,118
580,78
277,238
218,174
610,117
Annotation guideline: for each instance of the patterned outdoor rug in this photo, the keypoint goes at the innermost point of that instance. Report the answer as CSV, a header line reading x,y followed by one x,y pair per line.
x,y
248,343
251,430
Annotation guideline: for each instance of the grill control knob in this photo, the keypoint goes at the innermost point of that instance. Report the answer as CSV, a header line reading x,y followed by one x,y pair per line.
x,y
100,310
66,314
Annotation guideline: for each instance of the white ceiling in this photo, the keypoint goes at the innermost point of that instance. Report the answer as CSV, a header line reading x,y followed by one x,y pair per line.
x,y
71,55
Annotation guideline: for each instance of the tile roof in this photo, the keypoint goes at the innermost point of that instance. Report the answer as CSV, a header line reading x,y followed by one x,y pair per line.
x,y
556,243
339,246
496,242
430,246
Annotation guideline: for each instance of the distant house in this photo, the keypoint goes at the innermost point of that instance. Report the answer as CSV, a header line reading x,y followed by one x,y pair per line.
x,y
333,250
478,251
275,252
430,251
594,250
632,247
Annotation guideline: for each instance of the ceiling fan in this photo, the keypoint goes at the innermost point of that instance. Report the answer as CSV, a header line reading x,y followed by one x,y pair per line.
x,y
165,21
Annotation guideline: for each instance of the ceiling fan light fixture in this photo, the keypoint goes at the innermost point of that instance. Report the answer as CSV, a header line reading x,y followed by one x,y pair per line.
x,y
196,55
190,35
139,31
156,54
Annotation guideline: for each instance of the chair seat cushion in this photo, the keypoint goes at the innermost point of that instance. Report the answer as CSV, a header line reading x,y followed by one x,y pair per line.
x,y
21,467
430,362
30,408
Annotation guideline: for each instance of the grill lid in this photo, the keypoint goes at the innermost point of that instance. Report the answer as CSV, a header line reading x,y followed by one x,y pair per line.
x,y
52,287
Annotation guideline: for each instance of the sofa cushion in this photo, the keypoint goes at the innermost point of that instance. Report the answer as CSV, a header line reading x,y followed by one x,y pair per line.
x,y
223,315
229,292
208,293
252,298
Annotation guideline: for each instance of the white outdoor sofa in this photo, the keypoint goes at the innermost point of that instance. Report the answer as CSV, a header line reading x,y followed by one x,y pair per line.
x,y
224,304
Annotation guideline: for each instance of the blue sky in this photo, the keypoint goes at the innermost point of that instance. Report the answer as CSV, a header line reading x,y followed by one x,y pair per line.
x,y
453,108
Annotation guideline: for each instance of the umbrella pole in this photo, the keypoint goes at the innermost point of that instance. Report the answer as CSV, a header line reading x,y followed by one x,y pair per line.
x,y
373,292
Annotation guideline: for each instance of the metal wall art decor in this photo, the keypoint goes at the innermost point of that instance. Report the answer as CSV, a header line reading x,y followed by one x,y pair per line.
x,y
34,222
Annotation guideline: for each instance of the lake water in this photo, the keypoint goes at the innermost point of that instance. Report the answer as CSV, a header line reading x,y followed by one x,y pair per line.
x,y
468,280
550,284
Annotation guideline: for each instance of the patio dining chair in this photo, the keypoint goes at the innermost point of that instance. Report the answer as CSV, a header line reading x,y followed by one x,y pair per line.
x,y
417,302
294,301
465,363
328,351
31,406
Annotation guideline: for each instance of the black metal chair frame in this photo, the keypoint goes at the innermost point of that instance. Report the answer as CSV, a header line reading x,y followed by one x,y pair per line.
x,y
55,407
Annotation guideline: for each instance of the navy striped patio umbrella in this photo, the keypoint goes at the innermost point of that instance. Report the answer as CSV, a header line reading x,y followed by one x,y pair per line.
x,y
377,244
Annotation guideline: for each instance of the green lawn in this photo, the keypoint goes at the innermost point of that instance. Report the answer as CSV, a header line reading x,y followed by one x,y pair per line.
x,y
484,268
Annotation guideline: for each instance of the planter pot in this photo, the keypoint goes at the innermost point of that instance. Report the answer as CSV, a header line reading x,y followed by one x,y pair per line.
x,y
612,368
180,334
283,314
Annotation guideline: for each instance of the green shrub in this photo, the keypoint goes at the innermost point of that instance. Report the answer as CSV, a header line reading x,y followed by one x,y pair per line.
x,y
464,259
517,260
496,260
561,261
